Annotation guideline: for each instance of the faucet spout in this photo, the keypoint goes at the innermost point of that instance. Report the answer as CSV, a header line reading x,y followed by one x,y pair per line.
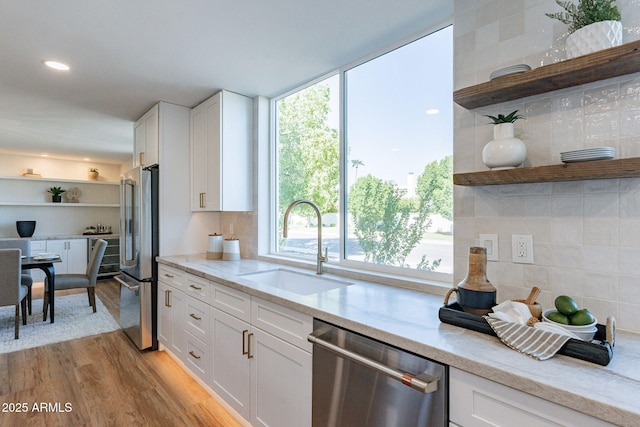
x,y
285,229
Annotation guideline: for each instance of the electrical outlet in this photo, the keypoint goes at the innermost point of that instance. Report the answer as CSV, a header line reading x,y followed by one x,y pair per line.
x,y
490,242
522,248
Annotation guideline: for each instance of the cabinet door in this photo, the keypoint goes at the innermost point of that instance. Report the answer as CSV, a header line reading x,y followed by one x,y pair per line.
x,y
146,139
59,247
165,314
231,369
280,381
205,155
37,247
77,256
178,345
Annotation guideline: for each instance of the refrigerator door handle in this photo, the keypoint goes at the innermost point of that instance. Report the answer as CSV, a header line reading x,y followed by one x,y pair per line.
x,y
128,222
126,285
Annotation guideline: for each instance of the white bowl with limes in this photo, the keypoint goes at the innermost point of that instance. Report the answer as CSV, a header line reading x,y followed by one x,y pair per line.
x,y
585,332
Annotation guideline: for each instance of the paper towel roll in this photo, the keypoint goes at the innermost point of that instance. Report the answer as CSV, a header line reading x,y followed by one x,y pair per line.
x,y
214,247
231,249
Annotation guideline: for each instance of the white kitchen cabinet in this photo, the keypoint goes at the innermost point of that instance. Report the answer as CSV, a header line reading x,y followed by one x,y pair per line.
x,y
37,247
477,402
280,381
146,138
171,309
221,155
265,379
231,366
73,254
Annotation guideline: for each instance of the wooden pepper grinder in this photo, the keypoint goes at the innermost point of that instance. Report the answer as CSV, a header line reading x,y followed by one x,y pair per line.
x,y
476,294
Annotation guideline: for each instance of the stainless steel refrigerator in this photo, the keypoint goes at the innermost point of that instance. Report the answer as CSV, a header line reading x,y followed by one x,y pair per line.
x,y
138,250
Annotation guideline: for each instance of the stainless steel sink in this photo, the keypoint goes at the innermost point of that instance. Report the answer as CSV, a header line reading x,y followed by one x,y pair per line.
x,y
295,282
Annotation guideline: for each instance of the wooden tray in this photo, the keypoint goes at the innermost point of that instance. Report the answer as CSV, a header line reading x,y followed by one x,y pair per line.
x,y
600,354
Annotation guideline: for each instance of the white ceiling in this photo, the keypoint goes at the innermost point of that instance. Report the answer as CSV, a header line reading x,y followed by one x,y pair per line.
x,y
125,55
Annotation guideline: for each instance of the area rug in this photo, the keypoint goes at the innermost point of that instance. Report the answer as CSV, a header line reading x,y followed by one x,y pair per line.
x,y
74,319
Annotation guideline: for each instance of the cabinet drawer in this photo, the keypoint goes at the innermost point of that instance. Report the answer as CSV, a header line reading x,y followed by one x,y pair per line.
x,y
38,246
198,357
231,301
286,324
172,276
196,319
198,287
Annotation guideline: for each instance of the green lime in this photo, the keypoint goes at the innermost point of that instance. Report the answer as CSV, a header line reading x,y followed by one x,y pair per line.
x,y
582,317
566,305
554,316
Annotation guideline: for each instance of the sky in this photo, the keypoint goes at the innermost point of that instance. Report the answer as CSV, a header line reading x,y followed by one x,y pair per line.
x,y
388,127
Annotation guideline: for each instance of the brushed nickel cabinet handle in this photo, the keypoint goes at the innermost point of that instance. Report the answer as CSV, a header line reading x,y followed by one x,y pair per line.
x,y
197,288
170,276
195,356
167,298
194,316
141,158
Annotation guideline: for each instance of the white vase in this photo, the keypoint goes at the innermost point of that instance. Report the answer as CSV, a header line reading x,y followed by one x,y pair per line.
x,y
505,151
594,37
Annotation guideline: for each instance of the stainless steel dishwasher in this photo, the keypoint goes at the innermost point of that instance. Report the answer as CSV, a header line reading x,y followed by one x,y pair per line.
x,y
358,381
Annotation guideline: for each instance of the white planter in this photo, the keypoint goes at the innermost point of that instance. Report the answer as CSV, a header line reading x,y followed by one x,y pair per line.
x,y
594,37
505,151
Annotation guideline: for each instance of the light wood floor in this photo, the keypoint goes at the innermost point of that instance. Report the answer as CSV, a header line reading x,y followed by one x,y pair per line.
x,y
102,380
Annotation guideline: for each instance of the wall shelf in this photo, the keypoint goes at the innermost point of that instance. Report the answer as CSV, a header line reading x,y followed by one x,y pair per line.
x,y
61,205
604,64
600,169
70,181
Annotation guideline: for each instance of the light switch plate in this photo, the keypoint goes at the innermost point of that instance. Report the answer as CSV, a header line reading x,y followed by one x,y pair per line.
x,y
490,242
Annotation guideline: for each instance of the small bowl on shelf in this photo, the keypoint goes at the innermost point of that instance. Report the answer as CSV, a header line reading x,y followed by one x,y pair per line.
x,y
585,332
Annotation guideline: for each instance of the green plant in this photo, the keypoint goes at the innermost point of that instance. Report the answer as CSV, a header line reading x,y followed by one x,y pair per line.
x,y
585,13
56,191
509,118
93,169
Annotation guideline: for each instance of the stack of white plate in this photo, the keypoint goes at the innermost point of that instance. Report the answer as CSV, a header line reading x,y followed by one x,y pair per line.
x,y
588,154
513,69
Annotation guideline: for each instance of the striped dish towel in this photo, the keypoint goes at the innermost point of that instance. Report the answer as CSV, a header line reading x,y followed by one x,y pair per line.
x,y
537,343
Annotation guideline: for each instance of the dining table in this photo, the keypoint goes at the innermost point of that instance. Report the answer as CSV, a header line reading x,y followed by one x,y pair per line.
x,y
45,264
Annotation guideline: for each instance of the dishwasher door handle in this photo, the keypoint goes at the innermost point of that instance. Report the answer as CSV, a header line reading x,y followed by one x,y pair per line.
x,y
423,382
134,288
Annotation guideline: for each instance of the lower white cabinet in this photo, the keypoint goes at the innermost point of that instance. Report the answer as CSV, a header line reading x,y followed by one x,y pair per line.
x,y
249,351
73,256
477,402
171,302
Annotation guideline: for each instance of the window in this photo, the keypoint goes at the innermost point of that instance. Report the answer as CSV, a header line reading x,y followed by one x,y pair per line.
x,y
378,164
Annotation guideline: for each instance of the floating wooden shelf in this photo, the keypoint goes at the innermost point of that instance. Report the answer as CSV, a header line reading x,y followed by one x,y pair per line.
x,y
600,169
604,64
61,205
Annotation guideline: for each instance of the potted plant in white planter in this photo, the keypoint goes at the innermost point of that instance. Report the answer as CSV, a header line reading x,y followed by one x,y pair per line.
x,y
504,151
593,25
56,194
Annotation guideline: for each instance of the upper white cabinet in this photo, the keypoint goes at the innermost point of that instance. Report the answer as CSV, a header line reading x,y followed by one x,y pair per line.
x,y
146,138
221,157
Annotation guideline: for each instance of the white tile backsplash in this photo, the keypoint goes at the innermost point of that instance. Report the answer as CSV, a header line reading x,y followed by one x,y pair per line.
x,y
586,233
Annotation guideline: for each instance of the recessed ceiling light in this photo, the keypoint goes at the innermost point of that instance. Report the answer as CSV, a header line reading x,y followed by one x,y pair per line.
x,y
57,65
86,159
44,155
432,111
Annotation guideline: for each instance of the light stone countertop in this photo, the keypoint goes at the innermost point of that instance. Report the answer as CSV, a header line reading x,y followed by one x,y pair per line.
x,y
409,320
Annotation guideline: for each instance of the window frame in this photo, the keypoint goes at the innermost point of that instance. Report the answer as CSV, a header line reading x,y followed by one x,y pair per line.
x,y
268,251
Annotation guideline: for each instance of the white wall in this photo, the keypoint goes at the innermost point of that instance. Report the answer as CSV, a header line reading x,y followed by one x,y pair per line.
x,y
586,234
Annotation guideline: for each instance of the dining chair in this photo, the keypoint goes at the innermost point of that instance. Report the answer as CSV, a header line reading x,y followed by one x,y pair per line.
x,y
25,247
12,291
75,281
